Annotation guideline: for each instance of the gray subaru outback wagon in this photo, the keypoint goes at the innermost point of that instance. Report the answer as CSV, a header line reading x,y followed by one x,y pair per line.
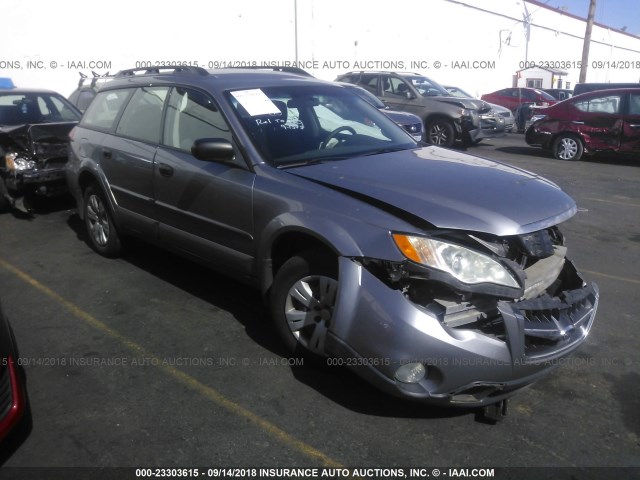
x,y
435,275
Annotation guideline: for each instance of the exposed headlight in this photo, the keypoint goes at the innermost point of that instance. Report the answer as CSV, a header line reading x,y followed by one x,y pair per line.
x,y
17,164
535,118
464,264
468,112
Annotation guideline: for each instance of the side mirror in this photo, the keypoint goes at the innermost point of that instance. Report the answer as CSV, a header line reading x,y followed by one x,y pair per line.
x,y
213,150
409,95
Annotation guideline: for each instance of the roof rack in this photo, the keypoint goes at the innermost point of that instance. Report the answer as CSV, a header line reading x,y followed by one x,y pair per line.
x,y
96,76
156,70
276,68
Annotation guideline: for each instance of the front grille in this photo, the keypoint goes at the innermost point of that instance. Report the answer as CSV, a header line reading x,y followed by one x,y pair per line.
x,y
547,330
6,394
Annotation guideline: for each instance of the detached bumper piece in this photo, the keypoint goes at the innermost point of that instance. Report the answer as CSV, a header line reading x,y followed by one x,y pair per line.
x,y
545,328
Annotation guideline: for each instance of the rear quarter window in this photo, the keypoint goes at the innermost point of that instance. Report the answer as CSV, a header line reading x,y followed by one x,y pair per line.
x,y
142,117
103,110
607,104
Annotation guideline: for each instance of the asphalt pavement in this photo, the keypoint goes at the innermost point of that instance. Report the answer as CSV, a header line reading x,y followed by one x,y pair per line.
x,y
150,361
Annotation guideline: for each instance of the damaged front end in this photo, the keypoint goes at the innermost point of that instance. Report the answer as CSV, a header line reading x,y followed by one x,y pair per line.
x,y
32,162
468,318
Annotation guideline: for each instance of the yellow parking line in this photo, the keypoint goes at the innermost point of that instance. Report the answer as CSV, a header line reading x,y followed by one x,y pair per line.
x,y
178,375
613,277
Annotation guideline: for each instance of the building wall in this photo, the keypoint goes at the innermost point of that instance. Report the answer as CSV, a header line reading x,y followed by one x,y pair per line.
x,y
478,45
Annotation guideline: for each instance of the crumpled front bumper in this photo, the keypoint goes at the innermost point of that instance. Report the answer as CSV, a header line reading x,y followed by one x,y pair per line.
x,y
486,125
377,330
44,182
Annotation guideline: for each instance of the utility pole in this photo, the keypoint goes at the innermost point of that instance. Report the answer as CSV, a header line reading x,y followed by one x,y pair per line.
x,y
587,42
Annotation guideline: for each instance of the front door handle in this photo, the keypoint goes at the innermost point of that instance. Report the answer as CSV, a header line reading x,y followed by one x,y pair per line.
x,y
165,170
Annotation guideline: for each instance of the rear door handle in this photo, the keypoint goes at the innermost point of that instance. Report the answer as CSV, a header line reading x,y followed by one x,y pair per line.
x,y
634,125
577,123
165,170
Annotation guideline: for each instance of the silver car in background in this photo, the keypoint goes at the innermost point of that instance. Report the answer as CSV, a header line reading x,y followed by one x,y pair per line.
x,y
509,119
435,275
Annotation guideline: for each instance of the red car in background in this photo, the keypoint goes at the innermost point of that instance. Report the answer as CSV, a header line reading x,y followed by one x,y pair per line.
x,y
604,120
13,397
512,98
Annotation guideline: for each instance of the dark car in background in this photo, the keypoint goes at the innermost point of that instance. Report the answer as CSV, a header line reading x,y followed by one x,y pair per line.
x,y
13,397
559,93
602,120
34,129
446,118
512,98
87,88
410,122
593,86
366,246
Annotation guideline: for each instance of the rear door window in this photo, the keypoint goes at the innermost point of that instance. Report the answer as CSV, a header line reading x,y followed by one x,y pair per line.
x,y
103,111
142,117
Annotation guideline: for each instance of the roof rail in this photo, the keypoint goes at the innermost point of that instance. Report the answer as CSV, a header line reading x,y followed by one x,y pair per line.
x,y
276,68
156,70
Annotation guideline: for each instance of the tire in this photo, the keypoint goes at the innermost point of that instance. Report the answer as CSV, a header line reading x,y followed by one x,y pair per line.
x,y
440,132
567,147
302,303
103,235
4,202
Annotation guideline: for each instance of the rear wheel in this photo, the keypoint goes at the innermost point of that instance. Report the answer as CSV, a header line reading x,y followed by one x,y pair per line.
x,y
101,228
567,147
302,302
440,132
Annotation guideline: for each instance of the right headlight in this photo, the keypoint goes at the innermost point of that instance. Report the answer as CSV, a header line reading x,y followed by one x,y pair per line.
x,y
14,163
466,265
535,118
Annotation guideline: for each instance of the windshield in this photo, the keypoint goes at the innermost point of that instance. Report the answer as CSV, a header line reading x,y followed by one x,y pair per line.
x,y
458,92
306,124
366,95
429,88
35,107
546,96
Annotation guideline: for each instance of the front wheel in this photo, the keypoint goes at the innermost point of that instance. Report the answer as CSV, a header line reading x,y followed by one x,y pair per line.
x,y
302,302
101,228
567,147
440,132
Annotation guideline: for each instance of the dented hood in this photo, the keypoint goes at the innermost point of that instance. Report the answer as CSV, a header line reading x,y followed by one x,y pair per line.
x,y
473,103
449,189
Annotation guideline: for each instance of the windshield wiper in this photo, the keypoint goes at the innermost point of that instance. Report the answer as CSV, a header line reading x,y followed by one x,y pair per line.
x,y
313,161
385,150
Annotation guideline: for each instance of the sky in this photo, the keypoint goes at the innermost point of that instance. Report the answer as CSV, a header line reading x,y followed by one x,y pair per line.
x,y
612,13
